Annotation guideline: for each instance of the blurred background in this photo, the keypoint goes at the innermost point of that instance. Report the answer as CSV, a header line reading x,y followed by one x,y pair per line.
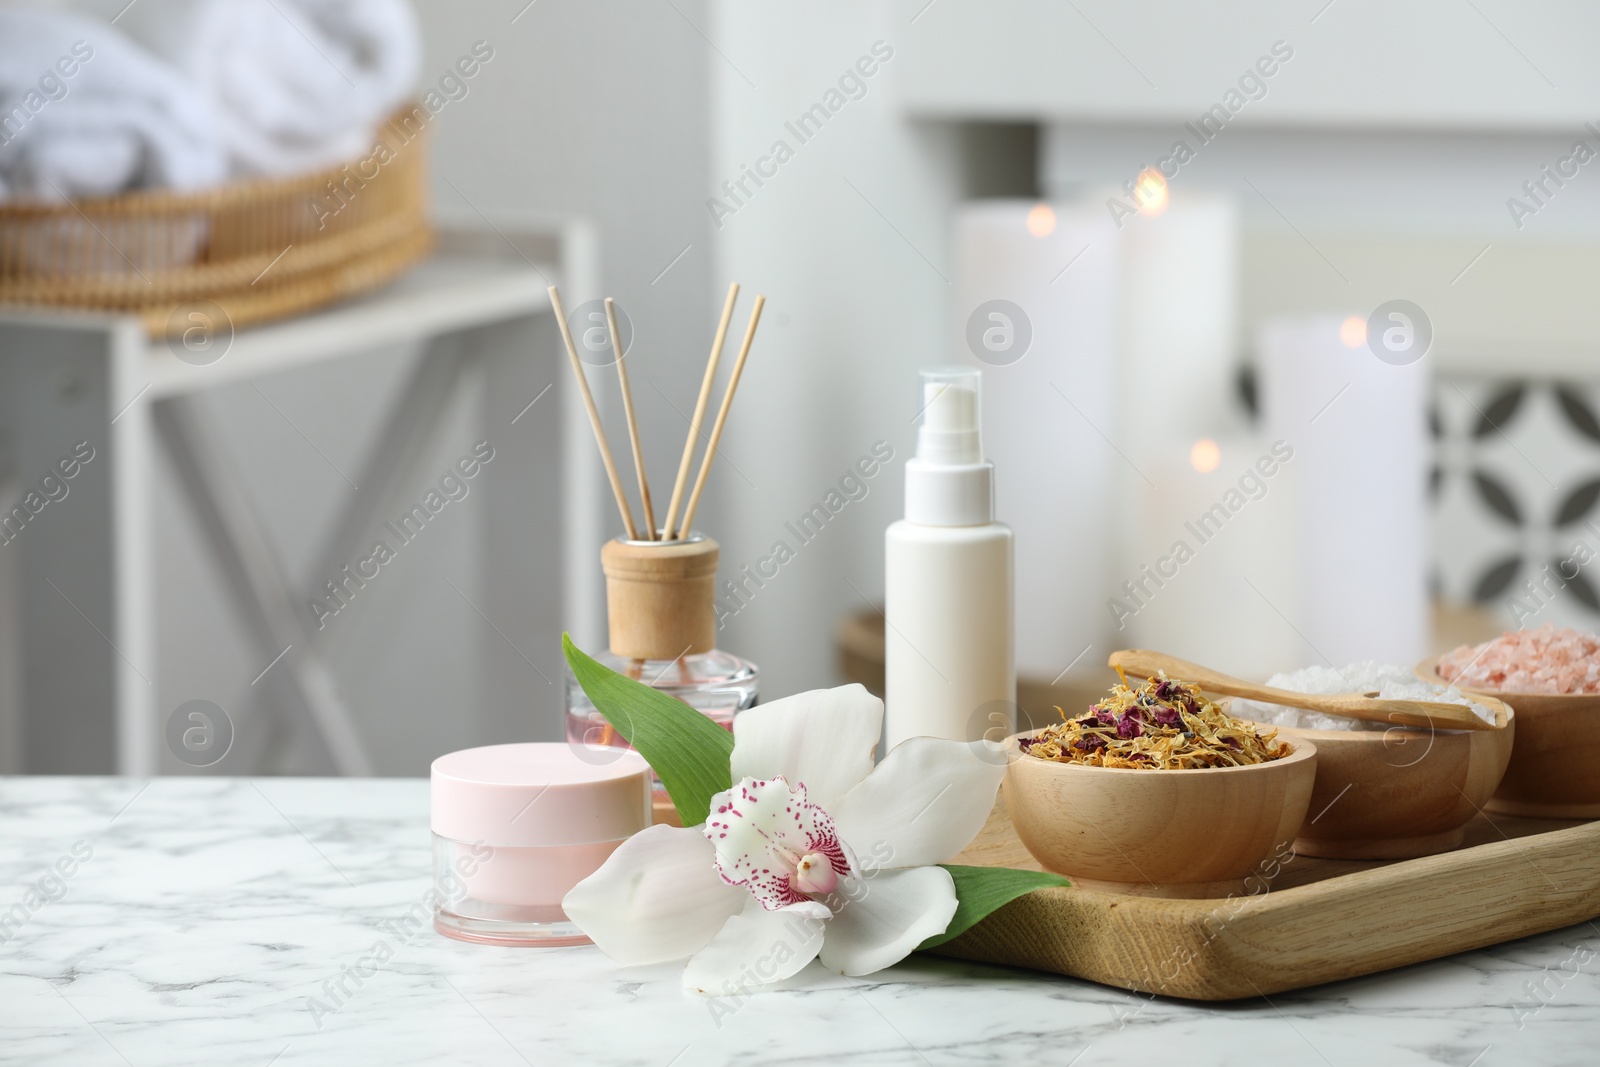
x,y
1285,313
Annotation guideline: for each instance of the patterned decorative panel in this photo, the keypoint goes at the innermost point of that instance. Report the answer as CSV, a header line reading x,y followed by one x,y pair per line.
x,y
1516,497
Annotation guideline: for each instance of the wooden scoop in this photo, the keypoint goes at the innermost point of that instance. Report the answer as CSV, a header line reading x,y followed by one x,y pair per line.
x,y
1364,706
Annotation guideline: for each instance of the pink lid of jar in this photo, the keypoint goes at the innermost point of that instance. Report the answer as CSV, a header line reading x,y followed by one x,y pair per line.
x,y
534,795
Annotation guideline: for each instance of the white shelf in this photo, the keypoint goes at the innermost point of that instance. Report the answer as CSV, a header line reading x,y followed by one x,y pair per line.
x,y
71,375
1429,64
448,291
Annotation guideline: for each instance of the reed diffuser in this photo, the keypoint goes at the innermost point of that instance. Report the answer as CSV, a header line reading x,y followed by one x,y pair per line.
x,y
661,580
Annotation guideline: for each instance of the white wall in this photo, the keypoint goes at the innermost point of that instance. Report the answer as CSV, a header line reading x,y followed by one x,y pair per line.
x,y
1426,64
848,241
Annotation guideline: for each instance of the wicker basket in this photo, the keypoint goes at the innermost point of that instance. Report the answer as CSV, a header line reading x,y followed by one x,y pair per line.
x,y
259,249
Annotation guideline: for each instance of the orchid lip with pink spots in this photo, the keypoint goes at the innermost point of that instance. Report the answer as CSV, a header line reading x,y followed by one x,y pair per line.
x,y
782,856
813,853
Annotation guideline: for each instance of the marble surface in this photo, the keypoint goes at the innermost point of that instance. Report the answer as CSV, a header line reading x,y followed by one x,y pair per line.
x,y
204,921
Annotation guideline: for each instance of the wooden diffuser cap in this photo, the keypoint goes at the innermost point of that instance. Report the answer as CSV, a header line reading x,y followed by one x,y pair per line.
x,y
661,597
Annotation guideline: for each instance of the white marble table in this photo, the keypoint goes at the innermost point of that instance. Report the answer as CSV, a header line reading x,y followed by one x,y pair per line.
x,y
214,919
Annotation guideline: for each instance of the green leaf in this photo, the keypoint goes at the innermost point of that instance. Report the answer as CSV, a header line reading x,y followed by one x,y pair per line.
x,y
982,890
687,750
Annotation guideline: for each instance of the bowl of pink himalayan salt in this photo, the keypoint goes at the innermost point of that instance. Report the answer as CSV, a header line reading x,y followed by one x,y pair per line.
x,y
1552,678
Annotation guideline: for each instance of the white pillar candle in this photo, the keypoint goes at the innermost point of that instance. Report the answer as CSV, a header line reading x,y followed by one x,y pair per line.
x,y
1183,428
1212,561
1358,428
1179,318
1050,412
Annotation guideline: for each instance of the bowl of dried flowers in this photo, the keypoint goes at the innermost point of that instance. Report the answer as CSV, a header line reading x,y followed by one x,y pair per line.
x,y
1156,790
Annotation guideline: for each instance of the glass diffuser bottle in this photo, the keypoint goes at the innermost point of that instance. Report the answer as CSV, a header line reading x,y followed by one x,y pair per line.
x,y
661,608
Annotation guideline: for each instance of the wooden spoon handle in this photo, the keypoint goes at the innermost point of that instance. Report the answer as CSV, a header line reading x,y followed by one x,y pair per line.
x,y
1419,713
1146,664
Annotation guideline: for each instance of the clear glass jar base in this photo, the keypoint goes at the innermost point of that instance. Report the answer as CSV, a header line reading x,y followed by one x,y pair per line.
x,y
559,934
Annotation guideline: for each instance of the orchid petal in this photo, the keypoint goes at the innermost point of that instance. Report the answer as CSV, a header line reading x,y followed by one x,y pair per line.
x,y
656,898
889,915
923,804
824,739
757,947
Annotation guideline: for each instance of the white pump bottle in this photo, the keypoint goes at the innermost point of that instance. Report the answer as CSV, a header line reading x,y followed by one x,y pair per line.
x,y
950,667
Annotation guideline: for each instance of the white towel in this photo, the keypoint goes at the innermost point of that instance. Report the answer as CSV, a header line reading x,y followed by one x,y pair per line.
x,y
302,84
85,112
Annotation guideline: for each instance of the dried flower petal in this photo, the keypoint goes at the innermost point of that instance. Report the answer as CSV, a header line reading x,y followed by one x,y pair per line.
x,y
1164,724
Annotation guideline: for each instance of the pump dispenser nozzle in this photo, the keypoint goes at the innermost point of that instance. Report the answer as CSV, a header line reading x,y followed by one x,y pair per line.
x,y
947,482
951,433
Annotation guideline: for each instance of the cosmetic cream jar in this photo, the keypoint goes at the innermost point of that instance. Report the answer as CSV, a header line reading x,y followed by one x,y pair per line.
x,y
516,826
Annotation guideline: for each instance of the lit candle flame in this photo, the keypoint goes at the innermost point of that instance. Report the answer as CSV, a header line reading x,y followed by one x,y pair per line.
x,y
1205,456
1041,220
1150,192
1353,331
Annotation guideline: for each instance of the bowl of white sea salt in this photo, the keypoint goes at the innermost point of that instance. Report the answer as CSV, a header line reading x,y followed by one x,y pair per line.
x,y
1388,792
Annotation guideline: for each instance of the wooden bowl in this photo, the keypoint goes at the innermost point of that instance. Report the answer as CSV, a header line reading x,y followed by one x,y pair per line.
x,y
1400,792
1554,771
1161,833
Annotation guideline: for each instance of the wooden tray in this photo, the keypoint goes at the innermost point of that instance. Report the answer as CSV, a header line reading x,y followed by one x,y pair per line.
x,y
1320,921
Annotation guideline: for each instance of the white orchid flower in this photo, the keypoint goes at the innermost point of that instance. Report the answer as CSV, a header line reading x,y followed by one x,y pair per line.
x,y
813,854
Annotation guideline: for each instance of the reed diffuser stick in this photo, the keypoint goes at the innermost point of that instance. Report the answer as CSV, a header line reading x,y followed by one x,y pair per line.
x,y
700,411
594,415
722,414
633,423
